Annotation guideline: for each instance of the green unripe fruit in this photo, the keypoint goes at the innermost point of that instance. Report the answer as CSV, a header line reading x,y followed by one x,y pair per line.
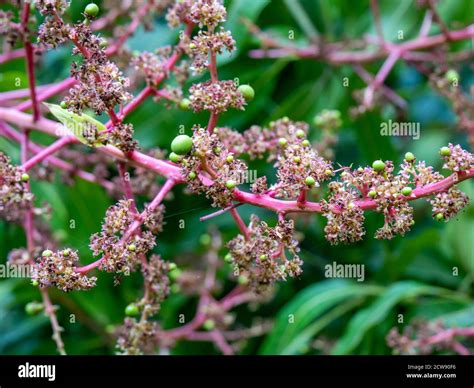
x,y
34,283
328,172
372,193
91,10
25,177
34,308
132,310
175,158
175,288
247,92
132,247
175,274
47,253
205,239
184,104
297,159
192,175
63,104
208,325
305,143
228,258
229,159
181,144
452,76
378,165
263,257
192,46
172,266
445,151
439,217
103,43
66,252
230,184
242,280
310,181
409,157
406,191
282,141
300,134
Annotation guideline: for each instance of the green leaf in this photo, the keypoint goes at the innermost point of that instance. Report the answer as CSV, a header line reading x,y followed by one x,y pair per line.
x,y
78,125
249,9
311,303
461,318
377,312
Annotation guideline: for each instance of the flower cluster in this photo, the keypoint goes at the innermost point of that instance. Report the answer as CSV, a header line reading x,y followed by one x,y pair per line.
x,y
178,13
157,281
137,337
447,205
209,167
261,260
328,119
53,31
120,256
101,84
207,13
57,269
345,220
300,167
205,42
422,337
14,196
216,97
11,30
456,159
152,65
256,141
121,136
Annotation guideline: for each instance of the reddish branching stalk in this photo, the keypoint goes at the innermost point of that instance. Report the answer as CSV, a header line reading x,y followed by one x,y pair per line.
x,y
266,201
449,336
30,66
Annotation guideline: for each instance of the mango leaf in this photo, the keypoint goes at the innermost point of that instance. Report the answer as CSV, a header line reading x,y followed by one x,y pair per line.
x,y
77,125
238,9
287,335
461,318
377,312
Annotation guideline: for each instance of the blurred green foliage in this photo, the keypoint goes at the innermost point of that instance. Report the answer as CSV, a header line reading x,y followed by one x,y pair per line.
x,y
410,275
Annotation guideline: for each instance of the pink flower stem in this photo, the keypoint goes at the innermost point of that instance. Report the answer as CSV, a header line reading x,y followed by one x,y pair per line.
x,y
447,336
266,201
219,212
49,92
20,93
220,341
130,30
48,151
212,122
30,66
59,163
10,55
240,223
127,188
342,57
